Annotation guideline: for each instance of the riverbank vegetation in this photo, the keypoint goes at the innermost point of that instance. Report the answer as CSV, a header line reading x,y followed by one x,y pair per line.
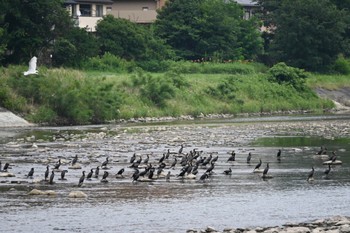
x,y
66,96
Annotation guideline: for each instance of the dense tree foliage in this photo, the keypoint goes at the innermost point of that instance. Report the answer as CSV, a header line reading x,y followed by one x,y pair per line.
x,y
209,28
305,33
31,27
74,48
129,40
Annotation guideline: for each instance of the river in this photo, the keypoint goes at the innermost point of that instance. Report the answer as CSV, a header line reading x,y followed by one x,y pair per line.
x,y
242,199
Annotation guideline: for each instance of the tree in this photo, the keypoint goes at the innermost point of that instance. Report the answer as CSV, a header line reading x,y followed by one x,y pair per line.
x,y
129,40
31,27
76,46
208,28
307,34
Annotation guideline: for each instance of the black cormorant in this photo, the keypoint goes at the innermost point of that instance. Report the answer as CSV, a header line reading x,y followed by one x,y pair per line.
x,y
266,170
104,177
97,171
81,180
232,157
57,166
167,177
311,174
120,172
51,177
47,172
258,165
75,160
31,173
104,164
228,172
6,166
249,157
204,176
63,173
328,170
181,149
133,157
279,155
89,175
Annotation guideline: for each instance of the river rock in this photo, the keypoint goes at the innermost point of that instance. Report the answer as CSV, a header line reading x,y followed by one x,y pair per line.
x,y
77,194
6,174
344,228
75,166
296,230
336,162
40,192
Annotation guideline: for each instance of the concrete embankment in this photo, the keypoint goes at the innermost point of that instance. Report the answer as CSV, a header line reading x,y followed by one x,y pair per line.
x,y
8,119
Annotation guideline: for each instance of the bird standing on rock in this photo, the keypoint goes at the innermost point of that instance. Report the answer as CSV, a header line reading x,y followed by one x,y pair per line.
x,y
311,175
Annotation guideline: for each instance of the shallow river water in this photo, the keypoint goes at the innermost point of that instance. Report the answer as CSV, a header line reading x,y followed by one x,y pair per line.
x,y
242,199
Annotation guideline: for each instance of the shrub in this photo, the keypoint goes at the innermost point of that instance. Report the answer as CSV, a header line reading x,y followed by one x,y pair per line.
x,y
283,74
156,89
341,65
154,65
225,89
109,62
44,114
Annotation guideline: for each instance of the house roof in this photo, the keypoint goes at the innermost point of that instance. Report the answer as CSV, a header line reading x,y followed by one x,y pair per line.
x,y
95,1
246,2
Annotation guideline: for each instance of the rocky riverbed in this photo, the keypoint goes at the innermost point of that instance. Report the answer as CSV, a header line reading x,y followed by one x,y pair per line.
x,y
336,224
236,203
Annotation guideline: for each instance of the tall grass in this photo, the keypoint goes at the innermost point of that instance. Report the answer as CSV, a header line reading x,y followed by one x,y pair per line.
x,y
330,82
62,96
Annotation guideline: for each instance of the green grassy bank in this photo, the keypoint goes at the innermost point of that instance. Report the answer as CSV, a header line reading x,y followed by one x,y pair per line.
x,y
64,96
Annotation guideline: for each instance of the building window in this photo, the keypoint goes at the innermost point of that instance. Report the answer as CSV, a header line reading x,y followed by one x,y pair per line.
x,y
85,9
99,10
247,14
